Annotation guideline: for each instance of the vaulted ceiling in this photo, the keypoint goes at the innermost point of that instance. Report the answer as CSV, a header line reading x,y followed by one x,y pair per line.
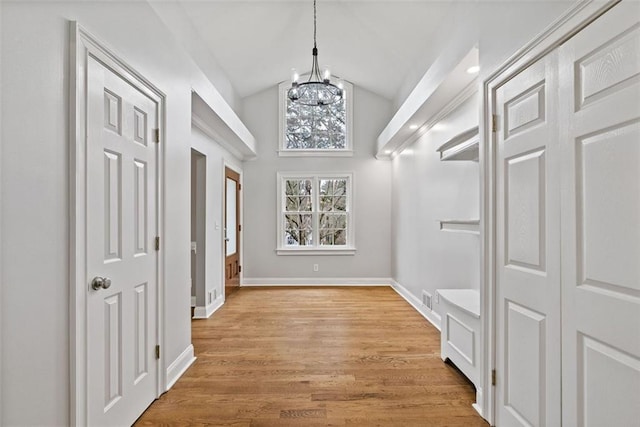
x,y
374,44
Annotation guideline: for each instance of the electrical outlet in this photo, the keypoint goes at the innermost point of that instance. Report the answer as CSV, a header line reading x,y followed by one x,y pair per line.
x,y
316,267
215,294
210,297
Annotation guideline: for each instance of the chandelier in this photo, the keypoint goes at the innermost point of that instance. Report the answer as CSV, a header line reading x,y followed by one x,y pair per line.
x,y
318,90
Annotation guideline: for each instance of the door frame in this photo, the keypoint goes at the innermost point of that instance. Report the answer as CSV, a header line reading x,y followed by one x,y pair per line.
x,y
82,46
237,169
578,16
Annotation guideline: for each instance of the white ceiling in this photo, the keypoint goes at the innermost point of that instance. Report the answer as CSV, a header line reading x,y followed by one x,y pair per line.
x,y
374,44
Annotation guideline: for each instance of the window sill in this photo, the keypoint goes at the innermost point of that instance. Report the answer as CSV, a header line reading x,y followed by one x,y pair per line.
x,y
315,153
316,251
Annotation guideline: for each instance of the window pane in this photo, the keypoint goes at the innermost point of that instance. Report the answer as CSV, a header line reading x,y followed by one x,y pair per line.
x,y
333,237
298,187
326,187
340,203
326,238
333,187
305,204
333,229
325,203
331,220
315,127
291,203
333,195
230,217
298,229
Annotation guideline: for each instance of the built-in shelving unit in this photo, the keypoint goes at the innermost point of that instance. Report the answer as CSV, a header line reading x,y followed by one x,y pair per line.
x,y
463,146
460,308
471,226
460,333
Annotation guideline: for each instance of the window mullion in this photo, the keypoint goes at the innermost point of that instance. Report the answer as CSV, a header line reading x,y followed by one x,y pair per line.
x,y
283,207
315,207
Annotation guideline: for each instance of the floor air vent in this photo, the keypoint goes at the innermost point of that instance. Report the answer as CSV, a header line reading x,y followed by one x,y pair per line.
x,y
427,301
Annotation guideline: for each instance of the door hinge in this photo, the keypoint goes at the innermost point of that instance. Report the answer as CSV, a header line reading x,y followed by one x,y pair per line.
x,y
493,377
239,269
239,186
239,227
158,352
157,243
156,135
494,123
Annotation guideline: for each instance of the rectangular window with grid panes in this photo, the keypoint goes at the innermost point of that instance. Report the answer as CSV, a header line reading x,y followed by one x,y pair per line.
x,y
314,213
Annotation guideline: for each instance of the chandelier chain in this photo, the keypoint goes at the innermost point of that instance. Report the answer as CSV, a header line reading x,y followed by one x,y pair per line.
x,y
318,91
314,23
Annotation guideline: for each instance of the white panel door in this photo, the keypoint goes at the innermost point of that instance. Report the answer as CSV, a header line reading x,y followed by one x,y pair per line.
x,y
600,128
527,251
121,227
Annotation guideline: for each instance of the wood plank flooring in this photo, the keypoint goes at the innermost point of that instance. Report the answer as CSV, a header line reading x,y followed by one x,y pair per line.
x,y
330,356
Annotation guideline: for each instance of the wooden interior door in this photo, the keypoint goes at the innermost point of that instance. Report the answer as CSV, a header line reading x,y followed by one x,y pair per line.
x,y
528,249
600,123
122,261
232,229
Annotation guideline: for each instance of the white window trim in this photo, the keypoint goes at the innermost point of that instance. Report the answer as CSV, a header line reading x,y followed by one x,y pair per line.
x,y
348,249
330,152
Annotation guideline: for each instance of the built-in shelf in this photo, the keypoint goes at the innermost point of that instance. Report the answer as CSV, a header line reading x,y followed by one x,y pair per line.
x,y
463,146
467,300
460,333
471,226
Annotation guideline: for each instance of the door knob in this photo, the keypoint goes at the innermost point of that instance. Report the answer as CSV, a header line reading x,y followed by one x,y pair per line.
x,y
100,283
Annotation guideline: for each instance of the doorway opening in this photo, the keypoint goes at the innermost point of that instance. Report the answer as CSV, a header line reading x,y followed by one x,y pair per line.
x,y
232,228
198,230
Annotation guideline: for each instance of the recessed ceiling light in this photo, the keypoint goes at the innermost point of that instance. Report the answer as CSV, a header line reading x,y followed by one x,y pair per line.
x,y
413,127
387,151
473,70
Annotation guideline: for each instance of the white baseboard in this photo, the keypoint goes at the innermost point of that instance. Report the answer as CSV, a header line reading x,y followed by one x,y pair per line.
x,y
478,404
206,312
431,316
320,281
180,366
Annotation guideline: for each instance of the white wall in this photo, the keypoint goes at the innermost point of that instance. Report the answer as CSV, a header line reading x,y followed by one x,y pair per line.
x,y
216,158
371,202
177,21
35,182
506,26
426,190
456,35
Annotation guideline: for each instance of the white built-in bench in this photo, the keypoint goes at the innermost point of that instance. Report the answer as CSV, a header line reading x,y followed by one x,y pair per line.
x,y
460,333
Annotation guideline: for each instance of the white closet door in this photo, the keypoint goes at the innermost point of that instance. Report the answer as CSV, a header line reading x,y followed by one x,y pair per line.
x,y
528,249
121,226
600,128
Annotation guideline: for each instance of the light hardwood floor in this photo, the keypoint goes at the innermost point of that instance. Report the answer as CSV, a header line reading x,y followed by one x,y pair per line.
x,y
316,357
